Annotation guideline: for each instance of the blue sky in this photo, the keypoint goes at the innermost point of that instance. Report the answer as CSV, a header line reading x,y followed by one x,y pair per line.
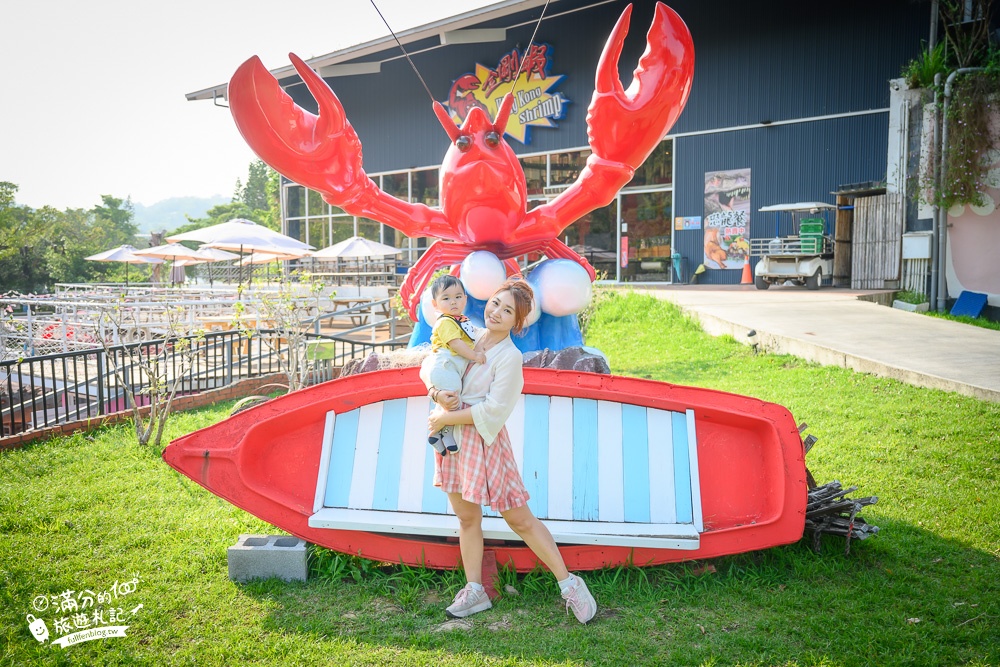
x,y
93,93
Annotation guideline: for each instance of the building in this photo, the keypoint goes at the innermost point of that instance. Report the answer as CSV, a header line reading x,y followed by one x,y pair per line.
x,y
790,103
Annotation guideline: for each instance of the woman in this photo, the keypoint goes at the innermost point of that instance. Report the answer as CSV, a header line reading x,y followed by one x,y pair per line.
x,y
484,472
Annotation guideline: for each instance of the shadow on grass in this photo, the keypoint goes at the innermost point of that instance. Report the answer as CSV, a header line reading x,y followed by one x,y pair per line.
x,y
905,597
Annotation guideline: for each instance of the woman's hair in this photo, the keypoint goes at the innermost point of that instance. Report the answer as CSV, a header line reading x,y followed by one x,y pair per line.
x,y
443,283
523,298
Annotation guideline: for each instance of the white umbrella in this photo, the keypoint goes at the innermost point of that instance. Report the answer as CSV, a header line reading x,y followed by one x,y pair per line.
x,y
267,257
214,254
171,251
242,236
126,254
210,256
356,247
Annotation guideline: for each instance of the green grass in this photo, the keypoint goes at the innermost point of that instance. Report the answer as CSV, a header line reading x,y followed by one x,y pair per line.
x,y
965,319
86,511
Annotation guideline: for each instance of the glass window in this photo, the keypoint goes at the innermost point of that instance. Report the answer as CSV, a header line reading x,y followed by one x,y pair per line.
x,y
648,215
534,173
294,204
316,204
658,168
566,167
369,229
397,185
295,230
594,237
342,229
317,232
425,187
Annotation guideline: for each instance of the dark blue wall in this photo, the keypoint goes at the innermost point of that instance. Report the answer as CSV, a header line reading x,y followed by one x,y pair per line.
x,y
768,60
788,163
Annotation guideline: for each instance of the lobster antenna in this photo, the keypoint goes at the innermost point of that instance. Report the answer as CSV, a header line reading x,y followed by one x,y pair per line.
x,y
404,51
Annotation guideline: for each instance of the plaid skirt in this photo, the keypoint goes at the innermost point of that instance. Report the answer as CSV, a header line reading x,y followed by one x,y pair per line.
x,y
484,475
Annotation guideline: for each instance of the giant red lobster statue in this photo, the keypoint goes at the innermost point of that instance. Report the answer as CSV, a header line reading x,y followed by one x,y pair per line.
x,y
483,192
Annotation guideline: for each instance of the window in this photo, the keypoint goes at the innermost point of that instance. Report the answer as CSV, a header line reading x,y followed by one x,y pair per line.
x,y
657,169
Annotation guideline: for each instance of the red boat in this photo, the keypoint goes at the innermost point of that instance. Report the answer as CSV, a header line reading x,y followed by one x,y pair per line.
x,y
621,470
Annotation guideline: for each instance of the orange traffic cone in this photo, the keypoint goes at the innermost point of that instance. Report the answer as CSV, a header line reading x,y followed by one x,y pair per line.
x,y
747,278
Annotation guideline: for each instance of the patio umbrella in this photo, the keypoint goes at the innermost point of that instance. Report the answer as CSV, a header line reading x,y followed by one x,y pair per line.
x,y
242,236
212,255
268,257
173,252
126,254
356,247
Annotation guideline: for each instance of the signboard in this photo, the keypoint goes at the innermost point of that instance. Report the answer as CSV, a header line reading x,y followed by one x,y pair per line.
x,y
535,105
727,218
687,222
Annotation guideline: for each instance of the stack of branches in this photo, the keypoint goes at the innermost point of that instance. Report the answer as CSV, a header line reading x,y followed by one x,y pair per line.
x,y
829,510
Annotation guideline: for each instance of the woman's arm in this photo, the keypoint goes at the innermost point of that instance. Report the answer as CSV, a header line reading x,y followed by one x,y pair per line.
x,y
440,418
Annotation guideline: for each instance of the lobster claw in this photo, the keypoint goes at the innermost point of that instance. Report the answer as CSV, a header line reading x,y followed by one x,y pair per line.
x,y
625,126
320,152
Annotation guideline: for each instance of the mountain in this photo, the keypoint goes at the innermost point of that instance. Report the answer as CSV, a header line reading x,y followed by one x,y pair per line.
x,y
171,213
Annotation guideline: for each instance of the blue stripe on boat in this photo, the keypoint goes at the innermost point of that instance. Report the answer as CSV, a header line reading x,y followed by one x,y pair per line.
x,y
535,469
635,452
630,463
682,469
585,497
338,481
390,455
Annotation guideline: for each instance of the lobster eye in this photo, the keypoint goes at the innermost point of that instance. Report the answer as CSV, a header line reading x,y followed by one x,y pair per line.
x,y
492,139
464,142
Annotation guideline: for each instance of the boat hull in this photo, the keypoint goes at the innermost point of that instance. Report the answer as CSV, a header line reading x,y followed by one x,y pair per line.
x,y
751,469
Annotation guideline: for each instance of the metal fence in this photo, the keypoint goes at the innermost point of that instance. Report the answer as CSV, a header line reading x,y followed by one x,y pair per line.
x,y
42,391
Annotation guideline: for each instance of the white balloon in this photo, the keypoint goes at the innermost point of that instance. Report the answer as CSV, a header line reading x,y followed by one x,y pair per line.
x,y
988,205
482,274
427,308
536,312
562,287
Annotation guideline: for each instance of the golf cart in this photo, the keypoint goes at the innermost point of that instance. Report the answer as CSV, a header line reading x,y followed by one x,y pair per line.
x,y
801,257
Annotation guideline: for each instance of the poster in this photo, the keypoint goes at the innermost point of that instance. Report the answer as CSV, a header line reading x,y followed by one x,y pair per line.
x,y
727,218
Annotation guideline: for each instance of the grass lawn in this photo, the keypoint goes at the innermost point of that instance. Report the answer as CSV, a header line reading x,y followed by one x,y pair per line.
x,y
97,515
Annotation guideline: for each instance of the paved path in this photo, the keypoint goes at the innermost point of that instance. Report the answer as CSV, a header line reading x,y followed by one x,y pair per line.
x,y
847,328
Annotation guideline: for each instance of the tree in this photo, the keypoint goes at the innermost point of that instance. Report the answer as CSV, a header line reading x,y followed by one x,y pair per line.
x,y
150,372
255,192
23,241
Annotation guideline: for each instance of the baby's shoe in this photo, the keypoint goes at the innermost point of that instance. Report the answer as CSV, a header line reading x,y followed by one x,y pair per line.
x,y
448,436
437,442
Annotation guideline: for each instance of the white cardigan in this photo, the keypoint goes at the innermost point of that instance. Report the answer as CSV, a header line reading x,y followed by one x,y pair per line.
x,y
492,389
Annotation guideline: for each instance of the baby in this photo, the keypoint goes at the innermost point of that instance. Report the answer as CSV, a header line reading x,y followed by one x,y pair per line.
x,y
452,341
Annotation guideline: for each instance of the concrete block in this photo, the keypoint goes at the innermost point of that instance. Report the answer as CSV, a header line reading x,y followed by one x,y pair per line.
x,y
265,556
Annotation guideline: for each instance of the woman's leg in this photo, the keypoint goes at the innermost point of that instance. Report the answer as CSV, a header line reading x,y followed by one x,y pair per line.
x,y
470,536
537,537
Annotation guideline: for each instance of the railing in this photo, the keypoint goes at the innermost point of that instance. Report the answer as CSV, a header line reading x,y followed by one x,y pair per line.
x,y
53,389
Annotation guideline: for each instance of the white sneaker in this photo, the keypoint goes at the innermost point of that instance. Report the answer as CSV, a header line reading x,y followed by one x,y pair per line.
x,y
579,599
469,601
